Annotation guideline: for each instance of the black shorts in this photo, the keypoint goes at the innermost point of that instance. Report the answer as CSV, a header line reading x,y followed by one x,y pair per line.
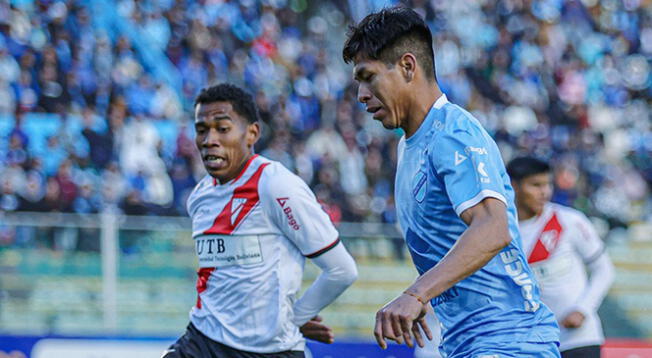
x,y
582,352
194,344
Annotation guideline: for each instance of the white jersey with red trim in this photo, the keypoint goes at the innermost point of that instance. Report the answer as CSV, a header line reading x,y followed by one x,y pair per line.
x,y
251,236
560,243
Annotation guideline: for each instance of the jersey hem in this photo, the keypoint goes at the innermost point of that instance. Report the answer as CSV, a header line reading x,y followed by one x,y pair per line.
x,y
299,345
486,193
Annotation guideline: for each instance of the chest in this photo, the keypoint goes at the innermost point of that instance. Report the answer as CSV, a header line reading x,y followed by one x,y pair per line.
x,y
223,212
548,239
418,187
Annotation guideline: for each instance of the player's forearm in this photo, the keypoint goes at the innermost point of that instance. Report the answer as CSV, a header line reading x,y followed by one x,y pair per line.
x,y
338,273
474,249
602,276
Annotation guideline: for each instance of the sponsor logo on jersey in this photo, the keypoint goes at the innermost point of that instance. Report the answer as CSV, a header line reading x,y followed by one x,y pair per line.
x,y
479,150
459,158
287,210
446,296
484,176
226,250
515,270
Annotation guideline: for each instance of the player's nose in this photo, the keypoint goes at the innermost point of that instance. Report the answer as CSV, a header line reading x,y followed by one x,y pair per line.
x,y
211,139
364,94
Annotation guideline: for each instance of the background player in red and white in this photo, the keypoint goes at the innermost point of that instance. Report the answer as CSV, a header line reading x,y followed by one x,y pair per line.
x,y
561,243
253,224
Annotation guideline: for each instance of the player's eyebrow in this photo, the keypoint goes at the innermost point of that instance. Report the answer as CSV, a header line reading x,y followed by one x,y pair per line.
x,y
359,72
215,117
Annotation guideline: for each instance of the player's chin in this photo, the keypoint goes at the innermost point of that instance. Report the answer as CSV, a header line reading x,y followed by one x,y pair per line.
x,y
215,173
388,123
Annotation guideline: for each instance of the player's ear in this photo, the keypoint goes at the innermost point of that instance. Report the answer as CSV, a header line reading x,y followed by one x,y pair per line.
x,y
408,66
515,185
253,133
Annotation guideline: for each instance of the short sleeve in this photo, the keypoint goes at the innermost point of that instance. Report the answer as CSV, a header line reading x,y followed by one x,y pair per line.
x,y
470,166
293,208
587,242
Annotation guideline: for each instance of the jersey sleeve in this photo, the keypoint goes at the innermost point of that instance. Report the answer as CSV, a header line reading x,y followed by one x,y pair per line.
x,y
470,166
587,242
293,208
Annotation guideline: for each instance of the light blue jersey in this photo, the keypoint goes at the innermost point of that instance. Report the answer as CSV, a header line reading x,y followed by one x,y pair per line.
x,y
449,165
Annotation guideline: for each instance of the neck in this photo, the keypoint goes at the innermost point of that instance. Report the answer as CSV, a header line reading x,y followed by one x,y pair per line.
x,y
426,96
241,167
524,213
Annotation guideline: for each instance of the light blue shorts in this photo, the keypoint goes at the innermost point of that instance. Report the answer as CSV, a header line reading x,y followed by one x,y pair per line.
x,y
527,349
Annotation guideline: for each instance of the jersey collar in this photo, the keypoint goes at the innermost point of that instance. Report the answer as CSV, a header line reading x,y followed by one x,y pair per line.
x,y
426,125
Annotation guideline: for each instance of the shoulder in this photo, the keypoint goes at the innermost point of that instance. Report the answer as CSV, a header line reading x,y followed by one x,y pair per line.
x,y
458,130
276,178
197,192
203,183
569,216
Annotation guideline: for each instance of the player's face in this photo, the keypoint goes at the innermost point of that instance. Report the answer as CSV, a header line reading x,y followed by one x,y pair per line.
x,y
380,89
224,139
533,192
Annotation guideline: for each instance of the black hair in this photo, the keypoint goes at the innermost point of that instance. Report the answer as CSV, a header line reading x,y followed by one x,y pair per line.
x,y
242,102
388,34
522,167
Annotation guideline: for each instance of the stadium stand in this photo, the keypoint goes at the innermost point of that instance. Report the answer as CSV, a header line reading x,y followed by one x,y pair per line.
x,y
95,116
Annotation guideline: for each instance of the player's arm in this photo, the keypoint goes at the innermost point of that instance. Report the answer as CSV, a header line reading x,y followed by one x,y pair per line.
x,y
486,235
338,272
295,211
591,249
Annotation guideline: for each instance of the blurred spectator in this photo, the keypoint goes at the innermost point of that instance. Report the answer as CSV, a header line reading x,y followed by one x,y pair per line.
x,y
568,81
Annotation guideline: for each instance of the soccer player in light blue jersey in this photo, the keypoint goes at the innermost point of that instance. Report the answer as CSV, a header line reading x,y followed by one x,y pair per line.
x,y
455,203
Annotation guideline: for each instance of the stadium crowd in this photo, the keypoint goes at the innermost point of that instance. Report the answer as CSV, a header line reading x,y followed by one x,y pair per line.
x,y
567,81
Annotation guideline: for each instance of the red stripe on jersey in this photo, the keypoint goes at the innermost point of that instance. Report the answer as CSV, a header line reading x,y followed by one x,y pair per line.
x,y
547,240
244,198
203,274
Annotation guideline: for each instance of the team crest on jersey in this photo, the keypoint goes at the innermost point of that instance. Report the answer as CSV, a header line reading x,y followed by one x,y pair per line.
x,y
236,207
419,186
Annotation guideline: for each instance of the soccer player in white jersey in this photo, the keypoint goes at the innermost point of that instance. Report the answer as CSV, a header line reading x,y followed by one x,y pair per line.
x,y
254,223
560,243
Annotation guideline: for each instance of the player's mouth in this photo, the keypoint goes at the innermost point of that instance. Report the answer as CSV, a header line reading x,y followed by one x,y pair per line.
x,y
376,111
214,162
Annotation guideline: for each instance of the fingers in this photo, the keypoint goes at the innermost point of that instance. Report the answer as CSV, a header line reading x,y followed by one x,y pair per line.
x,y
317,319
378,331
395,325
406,326
425,328
417,335
318,332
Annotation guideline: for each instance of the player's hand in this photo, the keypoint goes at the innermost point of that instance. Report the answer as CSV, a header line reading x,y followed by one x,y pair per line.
x,y
317,331
574,319
400,319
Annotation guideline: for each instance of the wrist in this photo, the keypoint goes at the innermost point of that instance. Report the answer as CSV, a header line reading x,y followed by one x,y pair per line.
x,y
416,296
